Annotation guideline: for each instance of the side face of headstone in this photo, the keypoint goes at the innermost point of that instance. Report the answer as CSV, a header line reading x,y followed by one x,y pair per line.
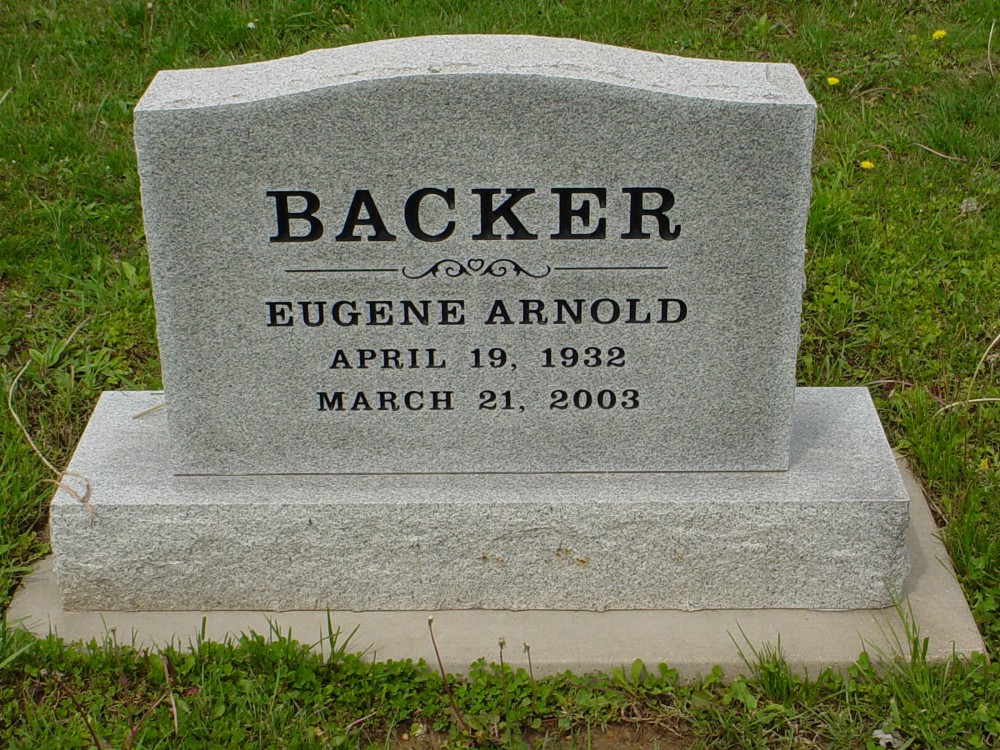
x,y
477,254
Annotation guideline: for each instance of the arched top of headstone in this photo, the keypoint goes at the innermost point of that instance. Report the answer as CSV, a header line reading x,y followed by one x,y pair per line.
x,y
484,55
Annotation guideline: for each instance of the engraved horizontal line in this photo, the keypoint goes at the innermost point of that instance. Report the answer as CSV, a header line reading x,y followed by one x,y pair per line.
x,y
581,472
341,270
610,268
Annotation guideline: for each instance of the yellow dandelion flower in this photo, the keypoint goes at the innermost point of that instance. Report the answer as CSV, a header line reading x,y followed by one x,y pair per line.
x,y
939,34
832,81
867,164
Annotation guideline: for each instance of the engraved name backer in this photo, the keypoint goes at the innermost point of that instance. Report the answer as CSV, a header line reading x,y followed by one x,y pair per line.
x,y
576,213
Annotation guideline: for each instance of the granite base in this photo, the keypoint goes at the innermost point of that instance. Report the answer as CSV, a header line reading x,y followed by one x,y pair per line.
x,y
827,534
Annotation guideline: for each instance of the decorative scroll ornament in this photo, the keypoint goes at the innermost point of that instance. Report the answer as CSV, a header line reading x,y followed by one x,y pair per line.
x,y
477,267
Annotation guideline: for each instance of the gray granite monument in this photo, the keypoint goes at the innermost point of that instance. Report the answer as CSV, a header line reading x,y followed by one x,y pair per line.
x,y
480,322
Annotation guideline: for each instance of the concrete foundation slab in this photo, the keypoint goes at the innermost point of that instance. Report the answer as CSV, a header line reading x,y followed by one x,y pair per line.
x,y
690,642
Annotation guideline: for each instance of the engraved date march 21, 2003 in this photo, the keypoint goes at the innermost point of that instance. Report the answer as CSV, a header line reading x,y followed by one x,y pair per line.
x,y
488,400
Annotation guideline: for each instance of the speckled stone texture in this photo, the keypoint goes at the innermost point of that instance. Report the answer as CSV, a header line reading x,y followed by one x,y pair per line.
x,y
731,142
826,534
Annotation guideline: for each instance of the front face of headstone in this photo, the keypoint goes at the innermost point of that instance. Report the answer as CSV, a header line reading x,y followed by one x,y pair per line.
x,y
477,255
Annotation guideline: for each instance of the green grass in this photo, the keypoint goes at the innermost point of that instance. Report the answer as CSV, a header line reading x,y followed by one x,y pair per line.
x,y
272,691
903,293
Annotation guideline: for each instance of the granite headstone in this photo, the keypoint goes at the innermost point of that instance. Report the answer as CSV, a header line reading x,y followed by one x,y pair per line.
x,y
480,322
453,254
